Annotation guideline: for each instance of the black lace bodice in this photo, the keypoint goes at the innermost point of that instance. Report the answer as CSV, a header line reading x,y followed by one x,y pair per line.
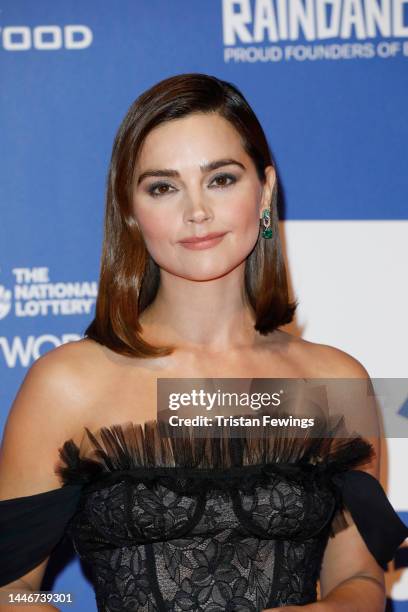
x,y
205,524
200,524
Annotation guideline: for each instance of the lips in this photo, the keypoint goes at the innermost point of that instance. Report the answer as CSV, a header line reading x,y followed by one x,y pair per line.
x,y
195,239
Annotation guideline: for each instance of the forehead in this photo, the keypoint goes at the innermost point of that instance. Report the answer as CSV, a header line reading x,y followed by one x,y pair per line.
x,y
195,138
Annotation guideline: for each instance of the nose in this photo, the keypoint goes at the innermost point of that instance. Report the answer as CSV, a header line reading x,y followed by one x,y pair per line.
x,y
196,210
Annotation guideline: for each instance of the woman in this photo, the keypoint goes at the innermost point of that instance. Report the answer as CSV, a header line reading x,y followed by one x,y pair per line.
x,y
171,523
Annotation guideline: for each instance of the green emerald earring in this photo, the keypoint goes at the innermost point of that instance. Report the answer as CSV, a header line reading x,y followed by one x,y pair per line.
x,y
266,219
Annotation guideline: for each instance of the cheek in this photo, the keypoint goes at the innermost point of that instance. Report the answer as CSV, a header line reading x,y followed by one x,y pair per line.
x,y
244,216
246,223
154,226
244,201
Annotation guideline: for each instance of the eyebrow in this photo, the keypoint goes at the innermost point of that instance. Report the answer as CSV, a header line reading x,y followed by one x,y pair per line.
x,y
218,163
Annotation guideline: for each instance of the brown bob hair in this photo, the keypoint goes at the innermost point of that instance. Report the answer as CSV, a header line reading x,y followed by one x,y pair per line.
x,y
129,278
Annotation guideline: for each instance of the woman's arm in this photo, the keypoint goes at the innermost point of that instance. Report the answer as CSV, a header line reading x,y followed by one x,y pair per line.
x,y
43,415
351,579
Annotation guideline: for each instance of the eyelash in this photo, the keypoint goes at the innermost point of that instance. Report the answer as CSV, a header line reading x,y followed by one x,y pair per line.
x,y
162,184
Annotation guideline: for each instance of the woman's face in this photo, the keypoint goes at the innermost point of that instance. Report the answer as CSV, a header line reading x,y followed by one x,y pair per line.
x,y
186,198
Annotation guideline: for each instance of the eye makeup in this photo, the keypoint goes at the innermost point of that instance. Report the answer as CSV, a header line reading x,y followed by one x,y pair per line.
x,y
151,189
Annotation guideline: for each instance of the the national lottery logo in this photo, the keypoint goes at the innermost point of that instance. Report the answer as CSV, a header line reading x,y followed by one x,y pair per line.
x,y
5,301
35,295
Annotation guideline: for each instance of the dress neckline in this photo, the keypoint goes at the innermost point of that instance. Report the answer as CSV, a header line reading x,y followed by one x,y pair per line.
x,y
147,447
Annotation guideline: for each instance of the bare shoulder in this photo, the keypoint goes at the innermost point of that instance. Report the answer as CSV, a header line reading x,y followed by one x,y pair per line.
x,y
57,389
65,368
47,409
333,362
325,361
74,355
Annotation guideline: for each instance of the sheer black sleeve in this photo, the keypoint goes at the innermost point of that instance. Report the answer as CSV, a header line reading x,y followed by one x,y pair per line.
x,y
375,518
31,527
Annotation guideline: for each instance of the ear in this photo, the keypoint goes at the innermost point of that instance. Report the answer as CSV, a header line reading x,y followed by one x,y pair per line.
x,y
267,189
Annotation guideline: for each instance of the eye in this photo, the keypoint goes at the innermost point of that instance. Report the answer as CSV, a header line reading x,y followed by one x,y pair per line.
x,y
152,189
223,177
161,188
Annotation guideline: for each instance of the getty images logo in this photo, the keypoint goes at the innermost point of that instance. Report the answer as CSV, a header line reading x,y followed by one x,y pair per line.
x,y
45,37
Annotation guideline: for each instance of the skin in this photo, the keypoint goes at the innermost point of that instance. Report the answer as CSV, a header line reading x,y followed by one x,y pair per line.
x,y
191,299
200,308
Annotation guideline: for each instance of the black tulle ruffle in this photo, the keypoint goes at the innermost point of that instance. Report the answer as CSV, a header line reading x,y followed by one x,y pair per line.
x,y
151,453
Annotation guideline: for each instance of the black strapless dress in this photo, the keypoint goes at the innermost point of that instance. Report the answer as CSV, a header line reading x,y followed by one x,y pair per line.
x,y
200,524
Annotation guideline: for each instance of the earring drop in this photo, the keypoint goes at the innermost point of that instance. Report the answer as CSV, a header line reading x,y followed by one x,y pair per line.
x,y
266,219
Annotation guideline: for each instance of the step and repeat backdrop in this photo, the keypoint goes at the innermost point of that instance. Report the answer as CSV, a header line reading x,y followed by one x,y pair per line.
x,y
328,81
